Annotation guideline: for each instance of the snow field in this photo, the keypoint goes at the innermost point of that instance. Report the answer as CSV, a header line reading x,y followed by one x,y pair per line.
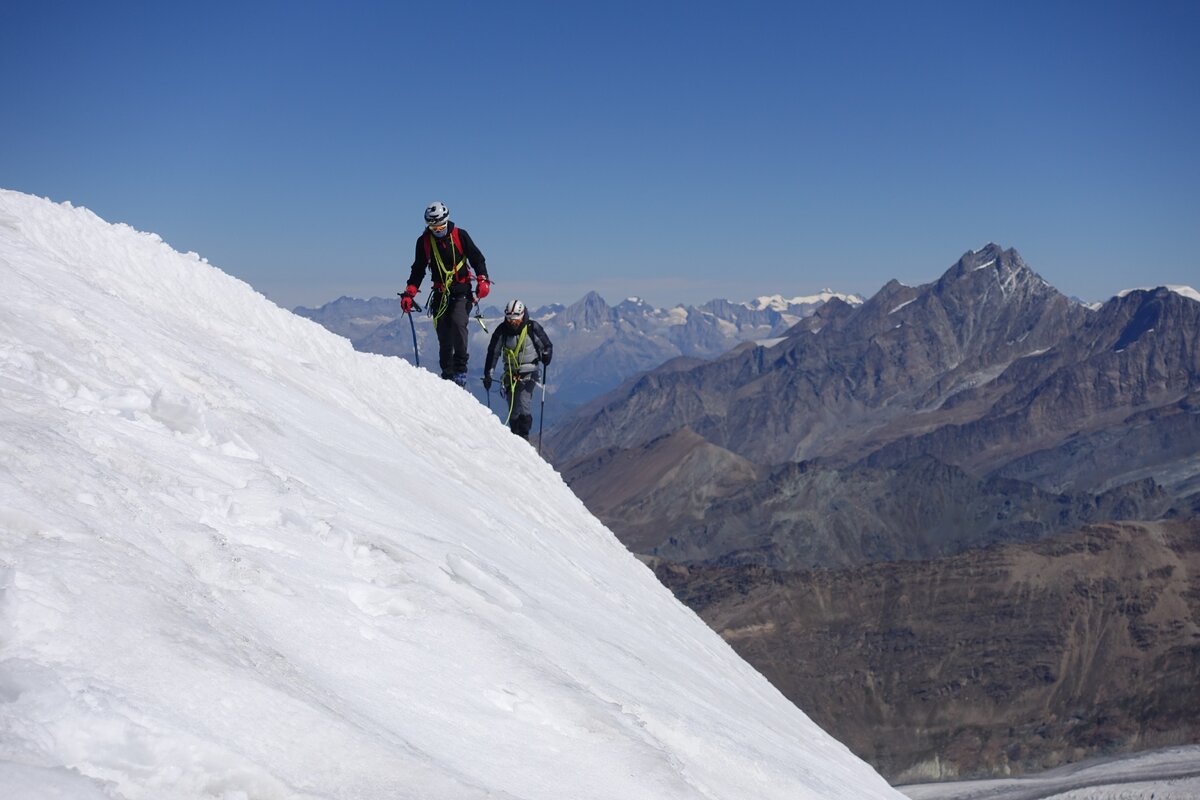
x,y
240,560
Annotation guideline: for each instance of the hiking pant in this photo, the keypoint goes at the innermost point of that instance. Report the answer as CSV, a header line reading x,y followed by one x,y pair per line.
x,y
520,421
452,335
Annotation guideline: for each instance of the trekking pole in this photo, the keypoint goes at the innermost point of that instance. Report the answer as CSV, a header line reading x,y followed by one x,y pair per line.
x,y
416,352
487,387
542,414
413,325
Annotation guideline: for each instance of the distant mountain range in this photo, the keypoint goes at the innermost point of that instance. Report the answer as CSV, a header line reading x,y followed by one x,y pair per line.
x,y
596,346
978,402
913,514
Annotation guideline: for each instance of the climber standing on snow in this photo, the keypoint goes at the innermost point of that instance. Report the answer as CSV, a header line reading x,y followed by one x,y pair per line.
x,y
522,343
450,255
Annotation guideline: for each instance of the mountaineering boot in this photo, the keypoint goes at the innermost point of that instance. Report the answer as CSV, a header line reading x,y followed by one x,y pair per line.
x,y
461,379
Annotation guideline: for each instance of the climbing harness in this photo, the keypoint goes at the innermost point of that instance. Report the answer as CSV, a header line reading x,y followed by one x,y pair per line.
x,y
512,366
446,273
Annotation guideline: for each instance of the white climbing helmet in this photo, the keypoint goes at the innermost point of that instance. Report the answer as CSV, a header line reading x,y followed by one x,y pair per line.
x,y
514,311
436,213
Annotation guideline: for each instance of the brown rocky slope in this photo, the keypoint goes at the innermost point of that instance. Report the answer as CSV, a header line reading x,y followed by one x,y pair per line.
x,y
1006,659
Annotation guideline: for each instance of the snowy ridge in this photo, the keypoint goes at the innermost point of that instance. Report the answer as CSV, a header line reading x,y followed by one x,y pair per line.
x,y
1185,291
240,560
777,302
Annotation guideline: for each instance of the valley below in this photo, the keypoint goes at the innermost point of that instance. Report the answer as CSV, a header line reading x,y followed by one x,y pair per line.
x,y
1002,660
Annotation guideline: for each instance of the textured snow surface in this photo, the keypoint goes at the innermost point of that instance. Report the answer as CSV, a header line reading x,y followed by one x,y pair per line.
x,y
240,560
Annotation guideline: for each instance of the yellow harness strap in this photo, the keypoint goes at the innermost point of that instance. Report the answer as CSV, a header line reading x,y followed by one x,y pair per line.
x,y
512,363
447,274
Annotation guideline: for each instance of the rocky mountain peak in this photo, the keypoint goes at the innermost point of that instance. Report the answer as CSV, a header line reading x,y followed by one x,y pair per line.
x,y
1139,313
634,305
830,316
589,312
992,274
991,261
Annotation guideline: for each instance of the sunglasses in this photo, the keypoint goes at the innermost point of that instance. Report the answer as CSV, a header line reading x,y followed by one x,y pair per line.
x,y
439,227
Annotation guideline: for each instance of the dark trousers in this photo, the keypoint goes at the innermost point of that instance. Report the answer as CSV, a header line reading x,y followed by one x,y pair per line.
x,y
520,419
452,335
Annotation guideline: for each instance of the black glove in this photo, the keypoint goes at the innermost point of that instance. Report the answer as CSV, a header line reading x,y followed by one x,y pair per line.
x,y
546,358
487,383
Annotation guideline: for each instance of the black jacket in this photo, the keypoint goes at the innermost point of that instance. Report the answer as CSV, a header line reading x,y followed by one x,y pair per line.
x,y
460,283
536,336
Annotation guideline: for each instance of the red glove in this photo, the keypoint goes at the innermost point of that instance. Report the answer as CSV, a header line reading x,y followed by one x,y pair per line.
x,y
406,299
482,287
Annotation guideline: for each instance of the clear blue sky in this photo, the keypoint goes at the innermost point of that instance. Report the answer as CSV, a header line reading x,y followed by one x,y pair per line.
x,y
677,151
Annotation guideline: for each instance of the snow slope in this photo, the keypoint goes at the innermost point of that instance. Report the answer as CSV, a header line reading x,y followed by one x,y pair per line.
x,y
240,560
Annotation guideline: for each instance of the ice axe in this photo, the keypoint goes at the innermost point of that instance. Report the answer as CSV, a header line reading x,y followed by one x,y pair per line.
x,y
478,312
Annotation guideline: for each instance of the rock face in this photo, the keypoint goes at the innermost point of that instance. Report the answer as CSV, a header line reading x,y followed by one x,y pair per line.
x,y
1007,659
801,515
1133,367
655,496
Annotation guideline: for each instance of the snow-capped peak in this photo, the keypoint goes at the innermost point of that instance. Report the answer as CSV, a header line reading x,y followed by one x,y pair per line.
x,y
777,302
1185,291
